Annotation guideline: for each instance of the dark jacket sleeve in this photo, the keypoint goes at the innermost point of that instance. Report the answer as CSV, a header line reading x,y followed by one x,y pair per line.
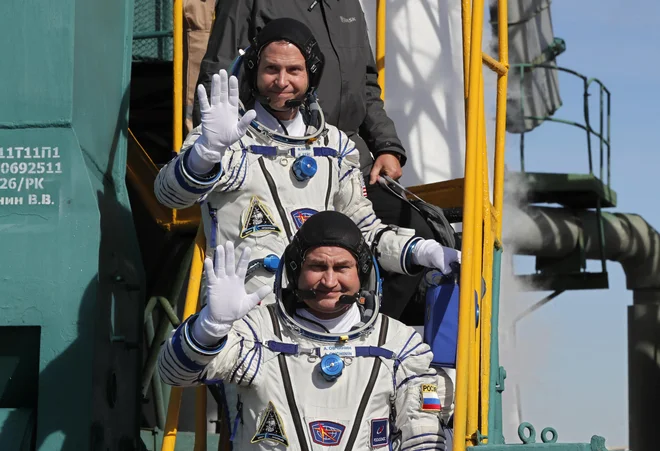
x,y
377,129
231,31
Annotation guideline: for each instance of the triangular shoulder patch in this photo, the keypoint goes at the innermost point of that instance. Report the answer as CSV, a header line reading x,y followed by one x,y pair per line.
x,y
270,427
257,219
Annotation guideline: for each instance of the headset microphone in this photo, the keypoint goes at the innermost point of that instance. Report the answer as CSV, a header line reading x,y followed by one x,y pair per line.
x,y
305,294
293,103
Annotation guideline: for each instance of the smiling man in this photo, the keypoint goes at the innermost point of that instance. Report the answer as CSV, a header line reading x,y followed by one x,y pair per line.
x,y
283,77
328,271
321,367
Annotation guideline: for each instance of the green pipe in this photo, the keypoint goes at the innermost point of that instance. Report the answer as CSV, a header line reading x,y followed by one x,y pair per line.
x,y
165,326
159,402
496,386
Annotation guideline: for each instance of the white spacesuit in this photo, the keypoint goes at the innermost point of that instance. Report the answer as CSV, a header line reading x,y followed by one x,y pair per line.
x,y
259,178
253,198
302,386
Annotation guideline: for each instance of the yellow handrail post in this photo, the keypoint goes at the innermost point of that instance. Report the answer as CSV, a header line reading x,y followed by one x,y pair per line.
x,y
480,234
189,308
177,61
466,17
475,345
177,76
500,119
200,418
381,24
470,216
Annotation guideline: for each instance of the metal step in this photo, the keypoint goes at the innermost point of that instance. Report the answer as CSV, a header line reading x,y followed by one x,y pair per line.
x,y
563,282
569,190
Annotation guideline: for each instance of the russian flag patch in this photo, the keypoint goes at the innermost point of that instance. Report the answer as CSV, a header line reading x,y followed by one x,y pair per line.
x,y
430,400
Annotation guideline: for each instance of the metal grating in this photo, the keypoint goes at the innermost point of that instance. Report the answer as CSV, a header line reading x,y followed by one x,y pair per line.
x,y
152,30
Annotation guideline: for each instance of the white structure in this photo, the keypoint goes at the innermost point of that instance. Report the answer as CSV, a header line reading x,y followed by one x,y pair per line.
x,y
424,85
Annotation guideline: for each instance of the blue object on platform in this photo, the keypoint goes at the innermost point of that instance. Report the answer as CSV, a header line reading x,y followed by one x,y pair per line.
x,y
441,322
441,317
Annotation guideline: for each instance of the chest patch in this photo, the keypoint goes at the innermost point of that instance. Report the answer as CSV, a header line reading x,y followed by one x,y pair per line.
x,y
270,427
429,398
257,219
378,432
363,186
326,433
301,215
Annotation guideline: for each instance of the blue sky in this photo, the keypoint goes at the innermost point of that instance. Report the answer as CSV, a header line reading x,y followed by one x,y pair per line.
x,y
577,344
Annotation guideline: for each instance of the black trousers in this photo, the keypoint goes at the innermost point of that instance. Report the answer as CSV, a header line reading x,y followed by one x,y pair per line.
x,y
399,289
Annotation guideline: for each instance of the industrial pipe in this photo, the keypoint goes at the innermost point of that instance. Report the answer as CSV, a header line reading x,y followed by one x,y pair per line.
x,y
554,232
630,240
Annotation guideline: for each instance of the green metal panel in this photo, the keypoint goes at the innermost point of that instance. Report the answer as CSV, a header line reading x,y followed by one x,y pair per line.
x,y
70,259
17,428
36,63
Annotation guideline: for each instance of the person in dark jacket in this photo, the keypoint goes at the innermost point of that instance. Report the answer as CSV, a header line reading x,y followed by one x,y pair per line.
x,y
349,95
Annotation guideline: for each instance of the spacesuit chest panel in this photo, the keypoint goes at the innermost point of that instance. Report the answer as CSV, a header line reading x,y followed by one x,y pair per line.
x,y
338,414
328,411
271,203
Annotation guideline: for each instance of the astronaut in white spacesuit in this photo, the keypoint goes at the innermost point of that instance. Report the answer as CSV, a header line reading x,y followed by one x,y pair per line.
x,y
260,174
321,367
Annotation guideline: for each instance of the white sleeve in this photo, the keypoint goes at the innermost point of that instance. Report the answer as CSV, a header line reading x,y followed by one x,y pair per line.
x,y
394,244
236,359
177,186
418,404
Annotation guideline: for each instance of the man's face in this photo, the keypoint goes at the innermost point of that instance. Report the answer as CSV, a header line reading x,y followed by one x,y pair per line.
x,y
282,74
332,272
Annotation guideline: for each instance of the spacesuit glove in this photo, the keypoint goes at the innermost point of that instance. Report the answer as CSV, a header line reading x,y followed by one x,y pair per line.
x,y
227,300
221,124
431,254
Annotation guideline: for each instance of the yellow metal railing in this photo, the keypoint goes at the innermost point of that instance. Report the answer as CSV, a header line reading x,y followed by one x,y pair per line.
x,y
177,61
141,173
190,307
194,281
482,226
482,223
381,26
482,220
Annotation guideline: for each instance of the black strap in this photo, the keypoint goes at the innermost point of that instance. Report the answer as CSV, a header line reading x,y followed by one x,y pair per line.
x,y
366,396
376,240
327,194
432,214
286,379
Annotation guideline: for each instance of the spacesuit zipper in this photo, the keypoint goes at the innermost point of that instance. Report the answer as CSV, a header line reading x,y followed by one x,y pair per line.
x,y
276,198
213,213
